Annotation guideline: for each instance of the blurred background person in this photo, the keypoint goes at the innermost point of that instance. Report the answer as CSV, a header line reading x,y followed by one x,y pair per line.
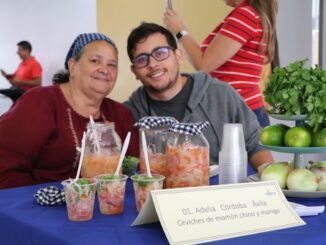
x,y
236,49
27,75
41,131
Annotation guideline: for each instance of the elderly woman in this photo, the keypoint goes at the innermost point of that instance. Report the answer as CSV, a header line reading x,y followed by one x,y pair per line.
x,y
40,133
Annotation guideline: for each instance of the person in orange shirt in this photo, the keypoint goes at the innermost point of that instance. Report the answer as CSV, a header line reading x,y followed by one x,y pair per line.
x,y
27,75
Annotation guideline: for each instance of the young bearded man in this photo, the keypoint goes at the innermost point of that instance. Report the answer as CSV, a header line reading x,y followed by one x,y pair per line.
x,y
196,97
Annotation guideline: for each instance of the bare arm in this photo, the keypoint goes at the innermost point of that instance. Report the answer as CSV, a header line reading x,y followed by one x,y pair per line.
x,y
31,83
260,158
220,50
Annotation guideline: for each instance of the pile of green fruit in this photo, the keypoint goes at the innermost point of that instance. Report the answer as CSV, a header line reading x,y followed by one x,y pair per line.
x,y
282,135
297,90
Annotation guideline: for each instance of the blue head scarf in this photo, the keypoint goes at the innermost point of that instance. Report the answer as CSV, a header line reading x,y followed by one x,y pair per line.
x,y
84,39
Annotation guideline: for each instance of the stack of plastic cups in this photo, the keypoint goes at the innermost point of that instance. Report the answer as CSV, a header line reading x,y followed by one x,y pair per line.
x,y
233,158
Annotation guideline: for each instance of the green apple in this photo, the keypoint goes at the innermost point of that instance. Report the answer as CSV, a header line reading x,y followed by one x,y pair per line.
x,y
302,179
277,171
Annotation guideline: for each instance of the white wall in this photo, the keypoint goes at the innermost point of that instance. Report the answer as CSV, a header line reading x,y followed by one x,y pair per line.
x,y
323,37
294,30
50,26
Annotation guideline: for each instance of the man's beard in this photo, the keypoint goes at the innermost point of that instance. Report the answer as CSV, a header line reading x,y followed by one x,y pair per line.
x,y
171,83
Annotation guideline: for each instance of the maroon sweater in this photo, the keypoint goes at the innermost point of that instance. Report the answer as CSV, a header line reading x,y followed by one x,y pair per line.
x,y
39,135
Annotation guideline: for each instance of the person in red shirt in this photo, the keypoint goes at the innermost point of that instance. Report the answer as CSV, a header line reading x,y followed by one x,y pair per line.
x,y
235,51
27,75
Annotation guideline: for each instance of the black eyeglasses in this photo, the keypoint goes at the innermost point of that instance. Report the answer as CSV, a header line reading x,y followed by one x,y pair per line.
x,y
159,54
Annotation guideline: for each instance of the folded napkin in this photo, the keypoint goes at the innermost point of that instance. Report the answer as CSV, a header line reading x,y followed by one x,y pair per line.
x,y
189,128
50,196
302,210
152,122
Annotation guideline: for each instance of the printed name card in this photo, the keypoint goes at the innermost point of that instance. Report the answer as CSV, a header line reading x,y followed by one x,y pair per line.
x,y
203,214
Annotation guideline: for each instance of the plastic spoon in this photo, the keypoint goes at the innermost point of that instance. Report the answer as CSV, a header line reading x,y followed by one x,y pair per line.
x,y
144,144
81,157
96,138
123,153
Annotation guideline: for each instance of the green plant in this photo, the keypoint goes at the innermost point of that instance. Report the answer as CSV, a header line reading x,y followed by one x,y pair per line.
x,y
130,165
295,90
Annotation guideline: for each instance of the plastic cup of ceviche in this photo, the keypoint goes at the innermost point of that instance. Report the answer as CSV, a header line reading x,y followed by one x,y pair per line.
x,y
80,196
143,184
111,193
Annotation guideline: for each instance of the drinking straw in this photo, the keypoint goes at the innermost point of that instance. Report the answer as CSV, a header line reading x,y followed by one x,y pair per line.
x,y
95,134
81,157
123,153
144,144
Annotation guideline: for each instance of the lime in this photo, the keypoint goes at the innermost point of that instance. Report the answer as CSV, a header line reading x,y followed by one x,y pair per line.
x,y
319,138
272,135
297,137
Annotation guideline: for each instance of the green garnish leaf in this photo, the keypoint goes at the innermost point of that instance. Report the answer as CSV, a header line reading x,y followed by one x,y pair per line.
x,y
83,182
143,180
110,177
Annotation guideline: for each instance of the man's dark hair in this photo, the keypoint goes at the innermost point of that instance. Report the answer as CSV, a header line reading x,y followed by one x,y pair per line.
x,y
25,45
143,31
